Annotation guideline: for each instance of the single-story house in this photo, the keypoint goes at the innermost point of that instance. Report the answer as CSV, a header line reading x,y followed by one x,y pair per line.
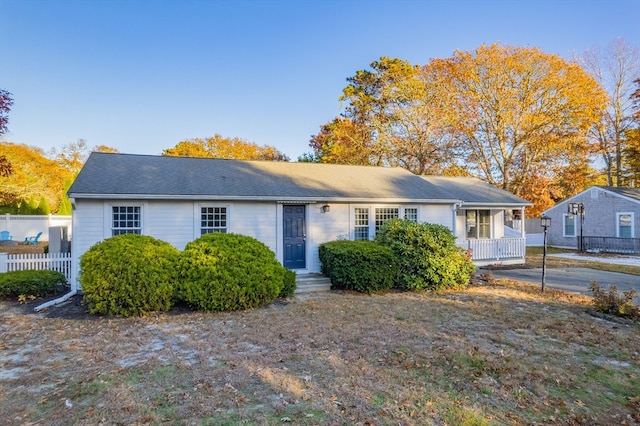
x,y
291,207
606,217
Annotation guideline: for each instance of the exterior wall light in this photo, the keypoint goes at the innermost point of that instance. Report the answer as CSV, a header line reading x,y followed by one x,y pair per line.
x,y
326,208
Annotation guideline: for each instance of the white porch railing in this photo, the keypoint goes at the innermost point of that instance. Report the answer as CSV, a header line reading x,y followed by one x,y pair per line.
x,y
60,262
497,249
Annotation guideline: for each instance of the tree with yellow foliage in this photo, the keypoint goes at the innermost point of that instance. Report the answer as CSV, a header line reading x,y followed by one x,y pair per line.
x,y
516,113
221,147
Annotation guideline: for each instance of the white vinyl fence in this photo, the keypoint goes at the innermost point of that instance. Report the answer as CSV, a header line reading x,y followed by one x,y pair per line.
x,y
23,226
60,262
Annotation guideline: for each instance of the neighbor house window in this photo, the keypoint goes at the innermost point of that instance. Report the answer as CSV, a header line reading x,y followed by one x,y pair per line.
x,y
126,220
213,219
569,225
625,225
361,224
384,214
411,214
478,223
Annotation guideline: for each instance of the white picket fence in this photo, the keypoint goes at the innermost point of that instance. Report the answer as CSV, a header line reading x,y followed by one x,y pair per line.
x,y
60,262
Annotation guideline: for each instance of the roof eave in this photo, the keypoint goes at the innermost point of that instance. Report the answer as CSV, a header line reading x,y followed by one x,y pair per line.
x,y
274,198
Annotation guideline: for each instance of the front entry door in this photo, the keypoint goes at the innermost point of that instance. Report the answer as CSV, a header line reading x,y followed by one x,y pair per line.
x,y
295,251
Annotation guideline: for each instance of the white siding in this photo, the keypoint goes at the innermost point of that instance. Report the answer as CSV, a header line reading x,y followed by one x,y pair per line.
x,y
257,220
178,222
439,214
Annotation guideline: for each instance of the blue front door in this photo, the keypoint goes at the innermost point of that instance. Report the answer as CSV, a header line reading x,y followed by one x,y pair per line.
x,y
294,237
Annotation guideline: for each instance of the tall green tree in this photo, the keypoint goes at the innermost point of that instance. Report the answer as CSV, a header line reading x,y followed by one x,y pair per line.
x,y
615,68
397,117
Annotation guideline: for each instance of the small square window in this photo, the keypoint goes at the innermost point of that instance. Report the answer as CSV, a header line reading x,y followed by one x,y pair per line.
x,y
213,219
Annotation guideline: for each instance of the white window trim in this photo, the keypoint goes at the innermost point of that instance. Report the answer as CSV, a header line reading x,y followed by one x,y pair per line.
x,y
565,216
108,215
197,216
633,221
372,216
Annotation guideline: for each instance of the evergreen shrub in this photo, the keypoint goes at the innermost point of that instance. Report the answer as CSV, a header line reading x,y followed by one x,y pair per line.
x,y
427,254
362,266
31,283
129,275
289,284
224,272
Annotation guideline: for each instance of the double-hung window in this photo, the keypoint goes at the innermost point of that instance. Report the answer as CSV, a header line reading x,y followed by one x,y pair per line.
x,y
126,220
478,223
213,219
569,225
625,225
361,232
411,213
384,214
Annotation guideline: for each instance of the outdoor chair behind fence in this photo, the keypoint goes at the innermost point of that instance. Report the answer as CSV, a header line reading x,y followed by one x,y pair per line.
x,y
33,240
5,236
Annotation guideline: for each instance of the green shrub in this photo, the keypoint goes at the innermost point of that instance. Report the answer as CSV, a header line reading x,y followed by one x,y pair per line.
x,y
362,266
129,275
222,272
427,255
289,283
611,302
31,283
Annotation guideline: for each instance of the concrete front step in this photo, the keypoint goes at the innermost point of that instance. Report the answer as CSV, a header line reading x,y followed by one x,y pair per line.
x,y
312,282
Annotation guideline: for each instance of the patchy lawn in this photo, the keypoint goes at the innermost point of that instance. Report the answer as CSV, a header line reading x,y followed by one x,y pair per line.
x,y
498,353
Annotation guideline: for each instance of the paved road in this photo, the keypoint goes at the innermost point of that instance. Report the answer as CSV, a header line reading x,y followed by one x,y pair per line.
x,y
576,280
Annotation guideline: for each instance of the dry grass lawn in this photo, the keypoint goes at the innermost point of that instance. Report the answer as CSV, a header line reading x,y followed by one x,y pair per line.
x,y
497,353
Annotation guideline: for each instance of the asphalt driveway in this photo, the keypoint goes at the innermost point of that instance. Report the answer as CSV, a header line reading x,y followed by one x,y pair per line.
x,y
575,280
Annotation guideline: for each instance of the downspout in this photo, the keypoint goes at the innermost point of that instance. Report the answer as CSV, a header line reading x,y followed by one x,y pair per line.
x,y
61,299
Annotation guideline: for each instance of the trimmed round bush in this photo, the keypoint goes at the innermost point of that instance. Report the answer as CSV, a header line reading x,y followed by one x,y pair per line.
x,y
362,266
129,275
225,272
31,283
427,254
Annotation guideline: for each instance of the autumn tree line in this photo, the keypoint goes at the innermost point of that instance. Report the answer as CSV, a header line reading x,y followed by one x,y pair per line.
x,y
532,123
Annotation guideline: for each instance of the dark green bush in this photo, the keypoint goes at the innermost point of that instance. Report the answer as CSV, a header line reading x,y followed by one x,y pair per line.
x,y
427,255
129,275
611,302
362,266
289,284
31,283
222,272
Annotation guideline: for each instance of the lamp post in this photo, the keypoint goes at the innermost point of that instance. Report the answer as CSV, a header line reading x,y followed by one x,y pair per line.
x,y
577,209
545,222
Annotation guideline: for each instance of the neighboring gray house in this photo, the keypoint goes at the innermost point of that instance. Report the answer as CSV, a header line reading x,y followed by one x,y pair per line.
x,y
610,220
291,207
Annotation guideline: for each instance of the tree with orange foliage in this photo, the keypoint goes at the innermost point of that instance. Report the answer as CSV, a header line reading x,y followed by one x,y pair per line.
x,y
515,112
343,141
220,147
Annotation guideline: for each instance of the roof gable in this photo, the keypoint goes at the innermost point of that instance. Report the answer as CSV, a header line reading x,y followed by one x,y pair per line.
x,y
107,175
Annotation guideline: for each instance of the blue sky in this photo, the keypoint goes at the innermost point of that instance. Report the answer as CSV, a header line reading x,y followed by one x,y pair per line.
x,y
142,75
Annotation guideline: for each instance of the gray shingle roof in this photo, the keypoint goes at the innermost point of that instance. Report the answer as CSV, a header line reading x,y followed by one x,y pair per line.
x,y
107,175
474,192
633,193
